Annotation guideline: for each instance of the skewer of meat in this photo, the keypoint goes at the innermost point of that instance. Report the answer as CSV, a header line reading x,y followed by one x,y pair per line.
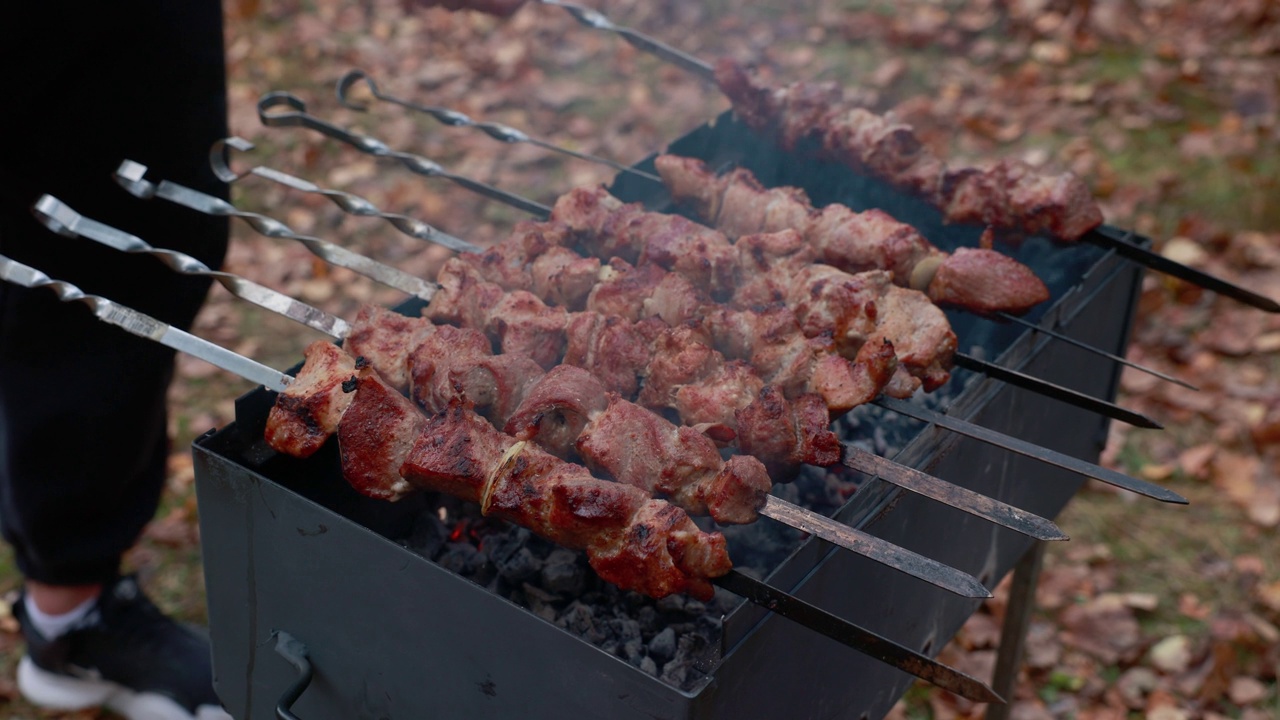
x,y
680,368
568,410
389,449
561,410
1009,195
975,279
853,310
628,543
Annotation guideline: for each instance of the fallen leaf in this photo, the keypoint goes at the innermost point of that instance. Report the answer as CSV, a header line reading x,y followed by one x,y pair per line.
x,y
1172,655
1246,691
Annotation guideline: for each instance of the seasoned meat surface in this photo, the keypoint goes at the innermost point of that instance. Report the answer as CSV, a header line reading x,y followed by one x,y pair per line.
x,y
307,412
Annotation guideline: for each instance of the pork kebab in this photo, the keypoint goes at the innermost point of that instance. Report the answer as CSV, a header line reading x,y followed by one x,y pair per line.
x,y
645,544
567,411
390,448
975,279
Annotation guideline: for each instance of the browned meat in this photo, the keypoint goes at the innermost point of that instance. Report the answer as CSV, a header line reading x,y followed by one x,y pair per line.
x,y
638,447
871,240
628,231
375,436
429,388
1009,195
562,277
611,348
464,297
785,434
680,356
557,408
715,401
384,339
851,241
631,540
307,413
986,281
525,325
866,308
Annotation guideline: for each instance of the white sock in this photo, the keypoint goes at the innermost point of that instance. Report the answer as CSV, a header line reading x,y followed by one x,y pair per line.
x,y
51,626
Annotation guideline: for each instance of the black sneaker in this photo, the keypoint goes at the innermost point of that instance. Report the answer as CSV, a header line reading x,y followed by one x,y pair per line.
x,y
124,655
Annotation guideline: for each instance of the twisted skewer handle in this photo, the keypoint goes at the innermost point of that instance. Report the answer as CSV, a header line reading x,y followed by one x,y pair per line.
x,y
296,115
60,218
351,204
130,175
146,326
453,118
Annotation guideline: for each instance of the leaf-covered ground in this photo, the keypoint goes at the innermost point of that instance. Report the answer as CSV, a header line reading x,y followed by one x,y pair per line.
x,y
1167,107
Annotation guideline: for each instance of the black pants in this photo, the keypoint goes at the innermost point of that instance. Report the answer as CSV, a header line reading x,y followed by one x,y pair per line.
x,y
83,427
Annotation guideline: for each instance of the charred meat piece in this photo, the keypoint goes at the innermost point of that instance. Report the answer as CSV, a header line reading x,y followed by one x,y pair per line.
x,y
375,436
631,540
384,339
308,412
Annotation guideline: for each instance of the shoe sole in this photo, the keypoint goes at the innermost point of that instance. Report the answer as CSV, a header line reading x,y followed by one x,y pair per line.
x,y
61,692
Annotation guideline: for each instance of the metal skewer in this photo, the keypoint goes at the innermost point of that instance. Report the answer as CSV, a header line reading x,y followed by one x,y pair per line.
x,y
1031,450
753,590
639,40
952,495
60,218
130,176
497,131
1058,392
56,216
1122,245
349,203
272,116
1086,346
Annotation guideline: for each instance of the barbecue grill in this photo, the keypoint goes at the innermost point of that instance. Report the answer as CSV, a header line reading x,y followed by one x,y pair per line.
x,y
330,604
291,551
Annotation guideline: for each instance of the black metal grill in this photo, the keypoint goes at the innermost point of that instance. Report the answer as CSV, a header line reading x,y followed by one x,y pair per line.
x,y
289,547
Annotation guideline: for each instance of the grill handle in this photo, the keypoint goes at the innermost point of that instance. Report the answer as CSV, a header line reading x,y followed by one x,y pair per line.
x,y
295,653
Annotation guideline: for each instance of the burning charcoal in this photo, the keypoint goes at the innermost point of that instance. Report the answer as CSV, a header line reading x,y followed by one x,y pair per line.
x,y
663,646
580,620
647,616
519,566
462,558
563,574
428,535
633,649
671,604
693,608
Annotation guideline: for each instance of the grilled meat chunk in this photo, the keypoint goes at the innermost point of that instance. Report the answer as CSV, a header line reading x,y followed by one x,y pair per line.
x,y
981,280
1009,195
307,413
375,436
631,540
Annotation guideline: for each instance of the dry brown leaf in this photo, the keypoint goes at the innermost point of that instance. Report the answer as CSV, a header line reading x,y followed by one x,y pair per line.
x,y
1235,474
1246,691
1171,655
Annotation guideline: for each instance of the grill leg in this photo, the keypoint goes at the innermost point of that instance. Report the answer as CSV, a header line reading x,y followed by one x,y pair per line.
x,y
1013,635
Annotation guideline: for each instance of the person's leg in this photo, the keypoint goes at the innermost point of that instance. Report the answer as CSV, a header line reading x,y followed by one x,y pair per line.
x,y
83,427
